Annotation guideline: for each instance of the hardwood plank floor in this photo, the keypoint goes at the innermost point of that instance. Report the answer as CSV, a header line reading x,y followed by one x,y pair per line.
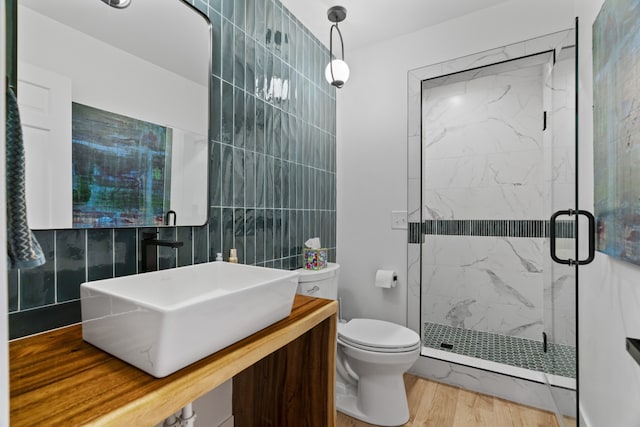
x,y
433,404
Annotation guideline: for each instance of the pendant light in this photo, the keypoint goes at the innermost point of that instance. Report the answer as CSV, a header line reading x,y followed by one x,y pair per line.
x,y
118,4
337,71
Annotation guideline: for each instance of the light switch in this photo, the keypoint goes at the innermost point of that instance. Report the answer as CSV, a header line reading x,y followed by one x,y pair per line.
x,y
398,220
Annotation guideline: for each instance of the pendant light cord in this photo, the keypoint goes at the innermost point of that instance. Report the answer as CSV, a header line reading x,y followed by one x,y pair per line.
x,y
331,47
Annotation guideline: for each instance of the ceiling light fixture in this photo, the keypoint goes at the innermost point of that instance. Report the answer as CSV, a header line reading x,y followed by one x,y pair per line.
x,y
337,71
119,4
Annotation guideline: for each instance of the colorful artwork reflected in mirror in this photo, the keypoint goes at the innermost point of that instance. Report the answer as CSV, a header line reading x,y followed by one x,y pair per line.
x,y
616,66
121,167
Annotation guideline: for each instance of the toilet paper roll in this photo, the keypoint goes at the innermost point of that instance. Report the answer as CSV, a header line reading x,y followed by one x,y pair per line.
x,y
386,278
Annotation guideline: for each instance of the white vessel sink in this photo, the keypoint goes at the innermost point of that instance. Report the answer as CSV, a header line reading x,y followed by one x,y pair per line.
x,y
165,320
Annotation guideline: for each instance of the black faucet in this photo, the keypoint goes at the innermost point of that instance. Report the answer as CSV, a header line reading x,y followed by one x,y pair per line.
x,y
150,245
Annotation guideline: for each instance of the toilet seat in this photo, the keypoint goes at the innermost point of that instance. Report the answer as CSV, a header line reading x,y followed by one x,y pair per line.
x,y
378,336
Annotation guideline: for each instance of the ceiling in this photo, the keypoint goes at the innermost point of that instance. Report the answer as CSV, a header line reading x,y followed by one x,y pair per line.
x,y
372,21
160,40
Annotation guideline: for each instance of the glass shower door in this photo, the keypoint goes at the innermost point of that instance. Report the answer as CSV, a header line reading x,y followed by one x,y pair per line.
x,y
560,202
570,239
497,159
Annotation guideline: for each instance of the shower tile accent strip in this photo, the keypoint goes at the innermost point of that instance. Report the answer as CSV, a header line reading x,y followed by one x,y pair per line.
x,y
524,353
272,168
416,232
489,227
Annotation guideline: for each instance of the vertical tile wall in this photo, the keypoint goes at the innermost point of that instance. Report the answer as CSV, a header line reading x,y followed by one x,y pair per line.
x,y
272,169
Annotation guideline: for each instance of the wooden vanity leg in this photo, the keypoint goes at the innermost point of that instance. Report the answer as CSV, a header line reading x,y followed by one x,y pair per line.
x,y
292,387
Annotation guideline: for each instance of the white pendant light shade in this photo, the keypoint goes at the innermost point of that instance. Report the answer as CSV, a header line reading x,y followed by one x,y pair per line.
x,y
340,72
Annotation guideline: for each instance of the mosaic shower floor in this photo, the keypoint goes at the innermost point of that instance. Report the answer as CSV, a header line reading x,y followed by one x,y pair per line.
x,y
524,353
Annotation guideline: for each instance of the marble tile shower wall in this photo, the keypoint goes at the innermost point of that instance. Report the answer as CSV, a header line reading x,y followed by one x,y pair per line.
x,y
273,169
483,160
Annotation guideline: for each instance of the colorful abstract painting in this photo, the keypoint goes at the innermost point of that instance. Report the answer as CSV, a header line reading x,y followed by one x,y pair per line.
x,y
616,92
119,166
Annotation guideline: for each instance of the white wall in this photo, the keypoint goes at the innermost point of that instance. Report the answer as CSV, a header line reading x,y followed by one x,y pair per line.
x,y
189,162
609,292
372,140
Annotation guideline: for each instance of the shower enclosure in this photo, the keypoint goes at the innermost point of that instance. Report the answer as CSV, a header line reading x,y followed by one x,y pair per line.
x,y
492,155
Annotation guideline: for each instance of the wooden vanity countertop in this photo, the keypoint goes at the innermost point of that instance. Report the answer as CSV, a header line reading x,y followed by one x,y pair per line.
x,y
58,379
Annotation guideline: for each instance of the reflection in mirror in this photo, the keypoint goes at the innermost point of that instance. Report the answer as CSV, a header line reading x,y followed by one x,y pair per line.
x,y
115,113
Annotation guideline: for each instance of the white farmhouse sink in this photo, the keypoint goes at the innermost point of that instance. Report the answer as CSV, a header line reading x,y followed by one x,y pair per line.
x,y
165,320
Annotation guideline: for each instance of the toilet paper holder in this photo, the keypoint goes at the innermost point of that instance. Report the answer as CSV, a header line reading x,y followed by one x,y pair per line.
x,y
386,279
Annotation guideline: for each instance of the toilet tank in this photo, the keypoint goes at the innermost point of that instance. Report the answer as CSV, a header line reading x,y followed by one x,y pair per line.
x,y
319,283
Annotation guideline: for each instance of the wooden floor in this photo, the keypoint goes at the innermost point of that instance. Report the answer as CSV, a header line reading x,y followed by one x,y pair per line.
x,y
433,404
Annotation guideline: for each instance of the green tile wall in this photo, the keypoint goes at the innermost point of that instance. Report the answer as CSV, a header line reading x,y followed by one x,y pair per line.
x,y
273,169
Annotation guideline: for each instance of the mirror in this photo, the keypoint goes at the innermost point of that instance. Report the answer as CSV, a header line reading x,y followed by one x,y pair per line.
x,y
114,105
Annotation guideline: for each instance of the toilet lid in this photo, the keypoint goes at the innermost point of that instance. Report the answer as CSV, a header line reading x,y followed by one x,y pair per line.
x,y
378,334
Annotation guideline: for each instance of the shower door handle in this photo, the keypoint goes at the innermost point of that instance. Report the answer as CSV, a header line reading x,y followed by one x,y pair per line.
x,y
592,237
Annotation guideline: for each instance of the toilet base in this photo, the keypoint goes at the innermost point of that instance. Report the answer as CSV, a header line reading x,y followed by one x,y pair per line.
x,y
347,403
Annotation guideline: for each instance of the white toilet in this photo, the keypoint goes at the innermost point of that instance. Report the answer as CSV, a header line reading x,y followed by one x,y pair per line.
x,y
372,355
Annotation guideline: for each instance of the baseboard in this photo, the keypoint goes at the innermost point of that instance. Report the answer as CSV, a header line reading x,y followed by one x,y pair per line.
x,y
228,422
518,390
584,419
